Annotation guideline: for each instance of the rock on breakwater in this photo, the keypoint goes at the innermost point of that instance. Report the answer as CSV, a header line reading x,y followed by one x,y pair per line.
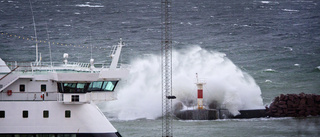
x,y
294,105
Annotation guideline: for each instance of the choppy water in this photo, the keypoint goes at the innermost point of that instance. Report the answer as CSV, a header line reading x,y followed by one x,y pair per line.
x,y
243,48
246,127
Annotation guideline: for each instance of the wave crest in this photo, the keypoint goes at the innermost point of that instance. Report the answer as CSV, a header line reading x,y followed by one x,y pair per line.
x,y
140,96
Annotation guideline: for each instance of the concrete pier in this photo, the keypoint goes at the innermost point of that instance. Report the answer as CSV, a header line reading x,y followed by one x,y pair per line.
x,y
253,113
213,114
201,114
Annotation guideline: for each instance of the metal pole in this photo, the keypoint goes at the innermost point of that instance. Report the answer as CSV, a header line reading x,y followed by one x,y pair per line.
x,y
35,32
166,65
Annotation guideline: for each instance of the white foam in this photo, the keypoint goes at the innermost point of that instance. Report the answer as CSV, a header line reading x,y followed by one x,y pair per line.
x,y
140,95
297,65
269,2
265,2
268,81
290,10
125,22
289,48
269,70
89,5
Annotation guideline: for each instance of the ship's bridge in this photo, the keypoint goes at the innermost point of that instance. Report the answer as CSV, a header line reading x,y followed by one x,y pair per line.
x,y
95,86
85,92
79,88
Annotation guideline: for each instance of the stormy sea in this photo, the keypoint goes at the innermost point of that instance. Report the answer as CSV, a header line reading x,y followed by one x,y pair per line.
x,y
247,51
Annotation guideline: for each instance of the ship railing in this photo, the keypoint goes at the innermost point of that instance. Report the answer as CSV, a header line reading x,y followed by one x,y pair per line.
x,y
29,96
53,66
56,66
59,66
23,66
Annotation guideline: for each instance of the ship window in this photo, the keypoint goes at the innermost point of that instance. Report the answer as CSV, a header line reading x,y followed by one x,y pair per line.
x,y
72,87
69,87
80,87
43,88
2,114
22,88
25,113
102,86
109,85
67,135
67,113
75,98
95,86
45,114
85,87
60,87
41,135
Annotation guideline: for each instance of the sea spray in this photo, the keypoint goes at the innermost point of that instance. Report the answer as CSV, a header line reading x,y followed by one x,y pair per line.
x,y
140,96
226,84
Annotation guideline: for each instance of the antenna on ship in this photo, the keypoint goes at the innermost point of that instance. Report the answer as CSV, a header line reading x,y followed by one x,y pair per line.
x,y
166,68
35,32
48,37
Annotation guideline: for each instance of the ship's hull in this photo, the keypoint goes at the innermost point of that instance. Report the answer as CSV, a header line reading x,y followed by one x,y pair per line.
x,y
53,118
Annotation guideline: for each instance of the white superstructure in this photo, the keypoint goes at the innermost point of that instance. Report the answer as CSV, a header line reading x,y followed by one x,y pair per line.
x,y
57,100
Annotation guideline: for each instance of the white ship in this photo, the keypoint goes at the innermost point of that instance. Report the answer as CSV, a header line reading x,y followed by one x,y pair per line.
x,y
58,100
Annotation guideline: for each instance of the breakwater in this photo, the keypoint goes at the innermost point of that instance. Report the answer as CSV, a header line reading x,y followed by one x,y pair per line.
x,y
294,105
289,105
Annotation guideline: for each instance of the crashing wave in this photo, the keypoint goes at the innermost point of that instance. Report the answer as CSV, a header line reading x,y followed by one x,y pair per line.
x,y
226,84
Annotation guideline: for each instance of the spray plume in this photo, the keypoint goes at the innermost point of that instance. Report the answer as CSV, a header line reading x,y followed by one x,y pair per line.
x,y
140,96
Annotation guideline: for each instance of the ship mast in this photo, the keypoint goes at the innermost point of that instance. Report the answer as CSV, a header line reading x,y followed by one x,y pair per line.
x,y
35,33
166,65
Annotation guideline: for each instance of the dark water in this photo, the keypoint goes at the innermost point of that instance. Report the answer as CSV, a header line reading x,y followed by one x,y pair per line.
x,y
276,42
280,127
